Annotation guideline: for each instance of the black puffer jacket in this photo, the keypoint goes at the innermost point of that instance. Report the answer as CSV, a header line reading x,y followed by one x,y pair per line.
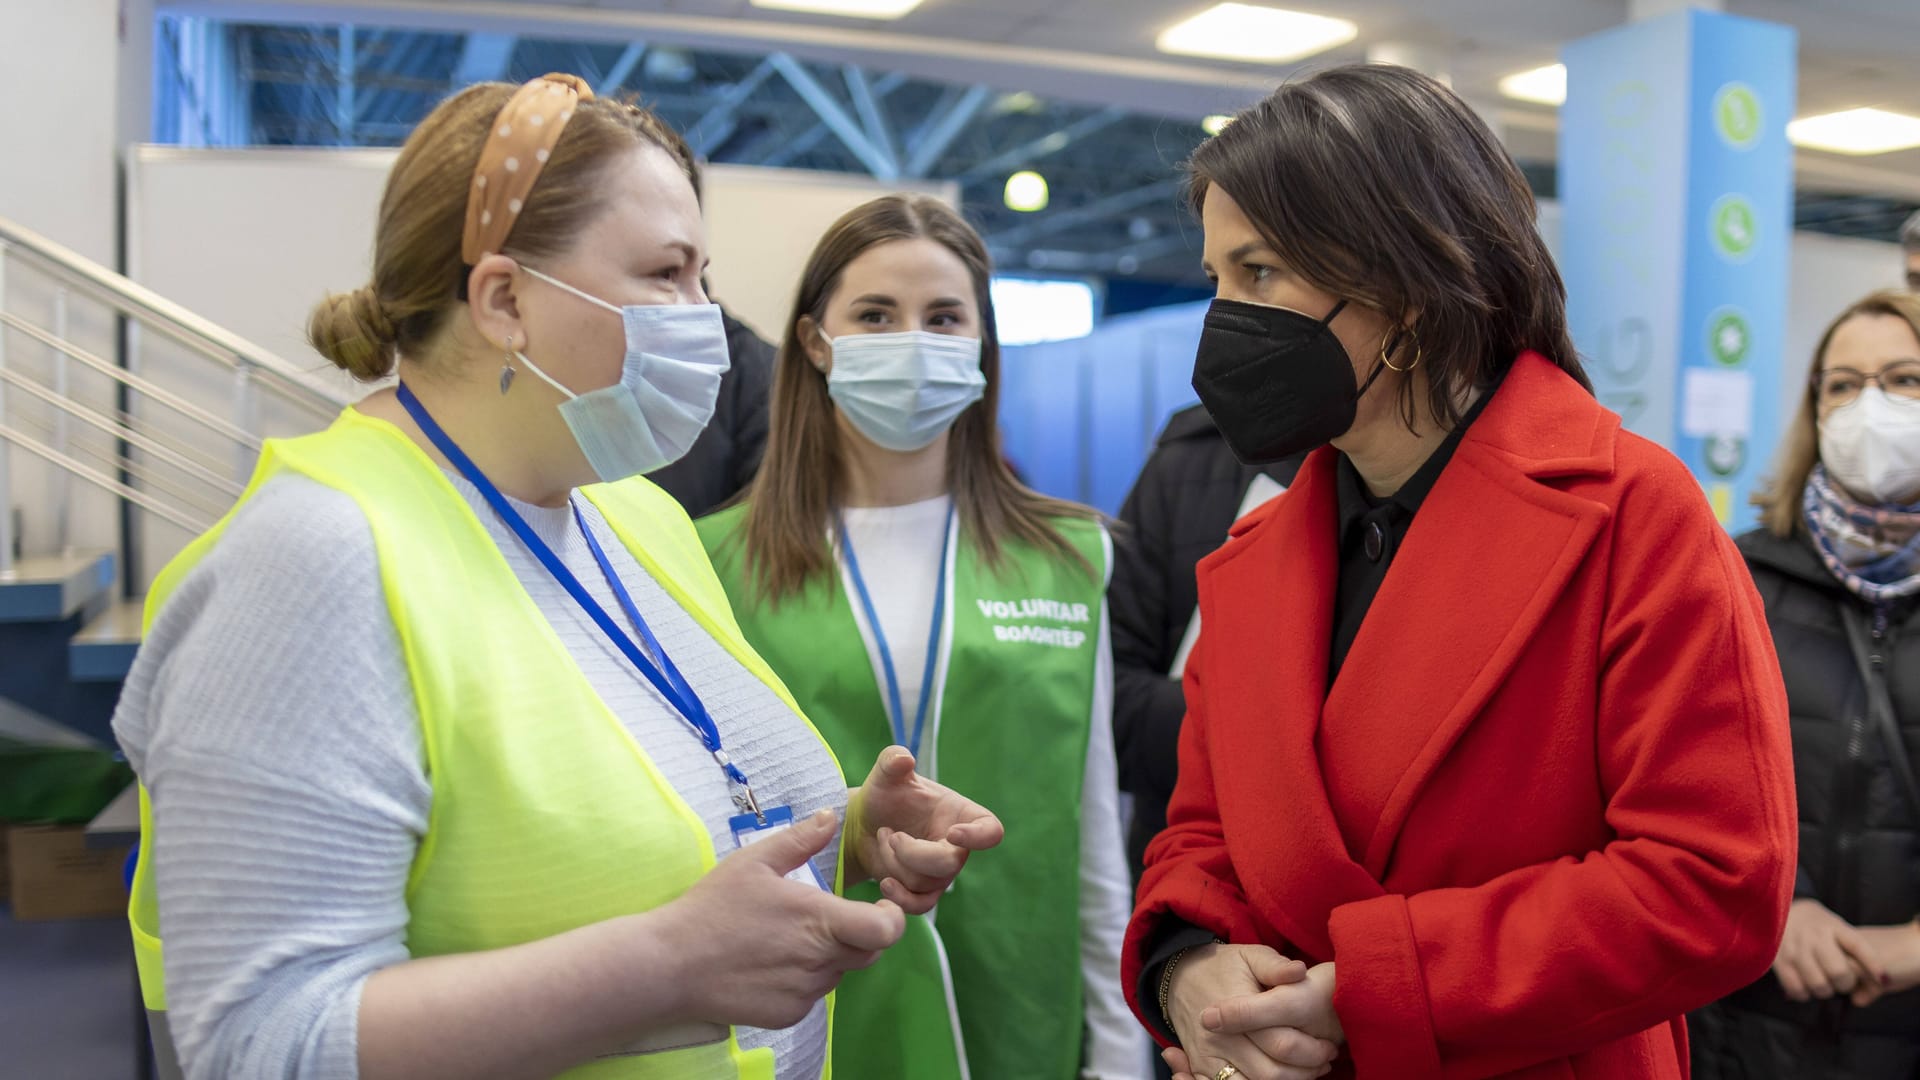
x,y
1859,838
1177,513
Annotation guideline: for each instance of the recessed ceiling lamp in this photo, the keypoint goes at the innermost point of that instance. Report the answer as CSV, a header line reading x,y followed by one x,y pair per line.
x,y
1255,34
1542,85
859,9
1026,192
1020,101
1857,131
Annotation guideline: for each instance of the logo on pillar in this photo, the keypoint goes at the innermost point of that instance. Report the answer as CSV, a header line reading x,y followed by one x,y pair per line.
x,y
1726,454
1737,116
1735,228
1729,337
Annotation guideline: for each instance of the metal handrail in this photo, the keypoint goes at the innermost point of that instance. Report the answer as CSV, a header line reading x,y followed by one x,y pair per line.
x,y
124,295
152,480
170,440
145,461
80,469
149,478
122,375
120,430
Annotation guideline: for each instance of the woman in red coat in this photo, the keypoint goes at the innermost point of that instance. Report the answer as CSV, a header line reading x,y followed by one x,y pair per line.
x,y
1485,770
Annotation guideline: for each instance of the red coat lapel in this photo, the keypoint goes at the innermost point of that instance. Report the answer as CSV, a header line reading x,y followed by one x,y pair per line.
x,y
1490,552
1267,603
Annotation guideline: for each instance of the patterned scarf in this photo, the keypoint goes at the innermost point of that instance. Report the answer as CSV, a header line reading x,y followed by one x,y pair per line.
x,y
1873,550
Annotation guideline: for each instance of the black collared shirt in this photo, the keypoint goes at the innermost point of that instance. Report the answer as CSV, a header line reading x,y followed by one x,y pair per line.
x,y
1371,531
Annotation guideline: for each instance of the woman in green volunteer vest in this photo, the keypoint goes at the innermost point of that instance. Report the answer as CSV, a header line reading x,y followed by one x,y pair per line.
x,y
908,589
454,760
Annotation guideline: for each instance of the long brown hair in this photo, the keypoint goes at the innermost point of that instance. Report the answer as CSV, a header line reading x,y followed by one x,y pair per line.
x,y
802,480
1780,500
417,269
1377,184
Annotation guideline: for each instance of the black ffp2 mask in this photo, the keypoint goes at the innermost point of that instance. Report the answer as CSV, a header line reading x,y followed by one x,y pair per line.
x,y
1275,381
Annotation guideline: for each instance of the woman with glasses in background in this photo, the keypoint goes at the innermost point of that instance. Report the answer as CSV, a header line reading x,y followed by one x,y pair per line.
x,y
1838,565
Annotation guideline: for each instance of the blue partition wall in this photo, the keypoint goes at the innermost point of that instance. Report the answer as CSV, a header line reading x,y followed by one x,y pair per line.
x,y
1079,417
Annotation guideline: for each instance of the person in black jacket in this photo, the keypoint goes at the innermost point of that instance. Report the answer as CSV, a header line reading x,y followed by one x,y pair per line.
x,y
724,459
1838,566
1189,492
727,454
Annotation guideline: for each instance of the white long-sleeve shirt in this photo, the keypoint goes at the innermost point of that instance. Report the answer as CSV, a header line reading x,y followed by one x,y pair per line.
x,y
898,548
271,717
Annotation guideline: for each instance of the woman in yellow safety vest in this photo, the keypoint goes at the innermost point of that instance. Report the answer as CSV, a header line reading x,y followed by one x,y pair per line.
x,y
446,732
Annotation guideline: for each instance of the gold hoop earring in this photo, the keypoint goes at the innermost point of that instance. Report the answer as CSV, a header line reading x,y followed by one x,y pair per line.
x,y
506,368
1419,354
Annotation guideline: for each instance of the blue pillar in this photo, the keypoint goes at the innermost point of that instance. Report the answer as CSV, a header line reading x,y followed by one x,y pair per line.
x,y
1677,182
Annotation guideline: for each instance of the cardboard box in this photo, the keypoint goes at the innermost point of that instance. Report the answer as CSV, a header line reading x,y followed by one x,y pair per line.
x,y
57,876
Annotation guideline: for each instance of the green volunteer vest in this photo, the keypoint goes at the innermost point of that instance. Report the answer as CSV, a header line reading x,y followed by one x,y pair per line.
x,y
990,985
547,815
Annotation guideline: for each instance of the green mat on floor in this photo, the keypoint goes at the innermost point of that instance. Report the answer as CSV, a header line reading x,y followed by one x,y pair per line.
x,y
57,785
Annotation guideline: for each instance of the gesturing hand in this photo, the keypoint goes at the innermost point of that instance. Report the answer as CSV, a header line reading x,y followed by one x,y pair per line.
x,y
911,834
763,950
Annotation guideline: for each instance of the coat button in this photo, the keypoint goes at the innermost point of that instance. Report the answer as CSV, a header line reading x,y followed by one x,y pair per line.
x,y
1376,541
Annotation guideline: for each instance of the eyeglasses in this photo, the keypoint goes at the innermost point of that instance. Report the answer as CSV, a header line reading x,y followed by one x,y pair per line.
x,y
1842,386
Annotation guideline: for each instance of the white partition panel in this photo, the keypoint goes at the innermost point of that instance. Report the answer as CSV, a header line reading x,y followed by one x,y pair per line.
x,y
252,239
763,223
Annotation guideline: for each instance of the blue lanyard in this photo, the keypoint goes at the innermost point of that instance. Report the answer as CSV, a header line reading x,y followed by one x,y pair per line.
x,y
664,676
897,713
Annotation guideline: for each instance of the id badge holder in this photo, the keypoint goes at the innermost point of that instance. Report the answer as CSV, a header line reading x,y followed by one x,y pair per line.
x,y
748,829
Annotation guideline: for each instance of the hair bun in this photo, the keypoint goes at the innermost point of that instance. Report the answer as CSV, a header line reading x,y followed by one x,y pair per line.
x,y
374,314
354,331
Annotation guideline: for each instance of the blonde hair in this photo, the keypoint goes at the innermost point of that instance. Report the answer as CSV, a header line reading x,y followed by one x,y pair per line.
x,y
417,268
1781,499
800,482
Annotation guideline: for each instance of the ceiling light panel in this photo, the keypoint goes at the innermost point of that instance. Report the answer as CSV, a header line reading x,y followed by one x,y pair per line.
x,y
1857,131
1542,85
859,9
1255,34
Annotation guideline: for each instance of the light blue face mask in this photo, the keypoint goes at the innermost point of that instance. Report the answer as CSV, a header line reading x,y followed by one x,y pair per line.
x,y
902,390
669,384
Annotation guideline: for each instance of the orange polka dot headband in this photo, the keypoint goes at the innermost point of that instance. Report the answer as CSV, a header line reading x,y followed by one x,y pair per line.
x,y
517,148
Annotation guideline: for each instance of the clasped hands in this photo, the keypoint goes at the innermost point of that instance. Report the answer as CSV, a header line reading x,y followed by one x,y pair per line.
x,y
1823,956
1247,1006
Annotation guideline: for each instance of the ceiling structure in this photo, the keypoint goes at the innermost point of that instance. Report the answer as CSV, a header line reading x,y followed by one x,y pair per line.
x,y
974,90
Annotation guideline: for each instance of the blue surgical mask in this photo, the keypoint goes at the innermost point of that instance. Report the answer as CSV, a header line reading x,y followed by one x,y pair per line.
x,y
669,384
902,390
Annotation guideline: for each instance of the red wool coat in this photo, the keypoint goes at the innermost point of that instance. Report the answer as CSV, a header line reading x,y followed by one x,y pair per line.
x,y
1546,808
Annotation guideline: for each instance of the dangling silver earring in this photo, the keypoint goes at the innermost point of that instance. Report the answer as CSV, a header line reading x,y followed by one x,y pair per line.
x,y
506,368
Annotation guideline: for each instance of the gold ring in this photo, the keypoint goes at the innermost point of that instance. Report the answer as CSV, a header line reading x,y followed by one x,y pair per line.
x,y
1227,1072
